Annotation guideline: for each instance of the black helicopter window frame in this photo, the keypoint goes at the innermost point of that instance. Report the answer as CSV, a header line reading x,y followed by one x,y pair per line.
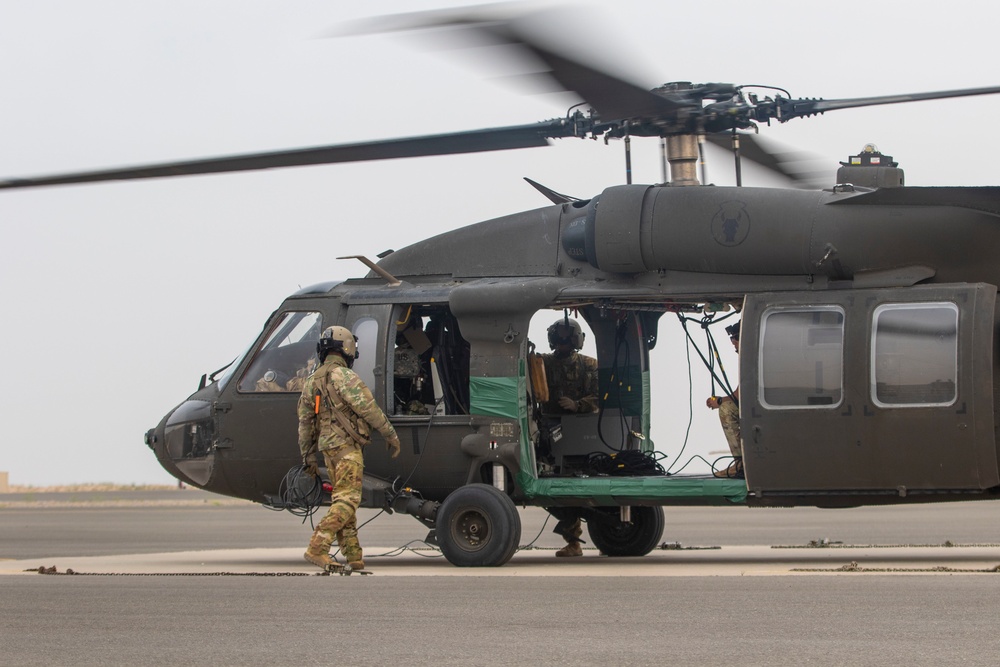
x,y
810,348
906,346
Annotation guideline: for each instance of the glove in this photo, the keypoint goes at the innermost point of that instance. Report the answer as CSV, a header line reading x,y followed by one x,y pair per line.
x,y
568,404
310,465
392,444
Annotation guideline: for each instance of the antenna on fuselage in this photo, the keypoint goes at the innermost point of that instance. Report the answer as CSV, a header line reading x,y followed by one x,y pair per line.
x,y
391,279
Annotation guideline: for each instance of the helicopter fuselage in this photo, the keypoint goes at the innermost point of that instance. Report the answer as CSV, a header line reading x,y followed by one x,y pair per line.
x,y
867,354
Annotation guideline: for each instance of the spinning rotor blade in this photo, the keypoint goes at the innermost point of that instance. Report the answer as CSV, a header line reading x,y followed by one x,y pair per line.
x,y
532,34
829,105
548,37
496,139
784,109
804,170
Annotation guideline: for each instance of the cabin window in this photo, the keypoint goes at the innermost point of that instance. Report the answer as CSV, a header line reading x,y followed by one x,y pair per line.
x,y
914,355
287,356
429,362
366,331
802,357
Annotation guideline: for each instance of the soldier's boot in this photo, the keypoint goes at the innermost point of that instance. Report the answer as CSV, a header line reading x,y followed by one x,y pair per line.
x,y
353,554
318,553
733,471
322,561
351,548
571,550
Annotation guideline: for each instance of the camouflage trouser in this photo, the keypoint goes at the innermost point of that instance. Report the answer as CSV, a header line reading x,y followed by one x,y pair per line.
x,y
340,522
729,415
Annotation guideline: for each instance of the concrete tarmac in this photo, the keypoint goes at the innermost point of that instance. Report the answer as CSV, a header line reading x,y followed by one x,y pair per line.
x,y
191,578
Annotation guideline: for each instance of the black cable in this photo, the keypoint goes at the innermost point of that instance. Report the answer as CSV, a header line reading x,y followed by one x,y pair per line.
x,y
399,551
687,432
301,497
530,545
626,463
420,456
708,365
625,432
697,457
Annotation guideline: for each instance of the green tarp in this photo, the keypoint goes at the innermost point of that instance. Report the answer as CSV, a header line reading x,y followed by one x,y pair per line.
x,y
495,397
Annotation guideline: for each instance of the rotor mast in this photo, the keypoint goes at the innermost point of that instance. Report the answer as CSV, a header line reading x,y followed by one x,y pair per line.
x,y
683,157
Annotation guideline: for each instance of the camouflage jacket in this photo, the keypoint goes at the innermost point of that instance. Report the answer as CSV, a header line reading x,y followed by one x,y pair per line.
x,y
333,382
574,376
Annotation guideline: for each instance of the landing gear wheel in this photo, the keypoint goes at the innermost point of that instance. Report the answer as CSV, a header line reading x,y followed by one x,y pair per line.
x,y
478,526
615,538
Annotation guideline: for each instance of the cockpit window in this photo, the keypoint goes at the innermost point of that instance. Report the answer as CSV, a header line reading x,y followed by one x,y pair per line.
x,y
915,355
287,356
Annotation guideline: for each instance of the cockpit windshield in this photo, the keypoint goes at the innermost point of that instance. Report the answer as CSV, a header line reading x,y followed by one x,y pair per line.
x,y
286,357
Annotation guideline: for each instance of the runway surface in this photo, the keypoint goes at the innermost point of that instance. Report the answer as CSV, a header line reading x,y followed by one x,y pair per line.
x,y
185,577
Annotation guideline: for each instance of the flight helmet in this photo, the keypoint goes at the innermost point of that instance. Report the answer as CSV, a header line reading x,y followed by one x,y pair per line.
x,y
339,340
563,331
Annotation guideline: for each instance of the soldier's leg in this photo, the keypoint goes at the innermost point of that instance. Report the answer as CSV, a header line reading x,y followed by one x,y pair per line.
x,y
729,416
347,538
350,473
347,494
570,527
345,475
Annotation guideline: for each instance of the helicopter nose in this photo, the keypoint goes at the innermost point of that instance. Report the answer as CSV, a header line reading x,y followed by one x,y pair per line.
x,y
183,442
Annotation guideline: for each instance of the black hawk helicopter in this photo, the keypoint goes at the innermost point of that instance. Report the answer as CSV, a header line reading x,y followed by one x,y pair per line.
x,y
868,315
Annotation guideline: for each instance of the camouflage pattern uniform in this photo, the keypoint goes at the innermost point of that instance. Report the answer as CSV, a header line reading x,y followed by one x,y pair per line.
x,y
333,381
729,415
574,376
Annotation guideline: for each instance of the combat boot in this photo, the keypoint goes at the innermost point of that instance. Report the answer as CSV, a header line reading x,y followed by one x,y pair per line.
x,y
733,471
318,553
320,560
357,565
571,550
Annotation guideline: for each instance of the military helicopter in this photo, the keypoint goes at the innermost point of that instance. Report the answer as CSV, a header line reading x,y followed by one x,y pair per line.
x,y
868,314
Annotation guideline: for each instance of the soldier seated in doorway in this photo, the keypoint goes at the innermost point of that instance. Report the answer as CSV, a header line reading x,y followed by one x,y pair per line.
x,y
572,382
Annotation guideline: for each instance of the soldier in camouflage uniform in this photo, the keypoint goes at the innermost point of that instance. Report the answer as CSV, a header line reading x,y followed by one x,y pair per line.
x,y
571,376
337,413
572,382
729,416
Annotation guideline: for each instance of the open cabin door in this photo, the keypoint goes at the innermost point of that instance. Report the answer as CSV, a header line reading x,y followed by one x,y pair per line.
x,y
883,392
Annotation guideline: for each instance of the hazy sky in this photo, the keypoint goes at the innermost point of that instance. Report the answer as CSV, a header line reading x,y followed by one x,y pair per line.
x,y
118,296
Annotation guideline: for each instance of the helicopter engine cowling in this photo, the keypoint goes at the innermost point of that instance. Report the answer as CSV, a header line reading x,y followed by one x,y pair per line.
x,y
756,231
636,228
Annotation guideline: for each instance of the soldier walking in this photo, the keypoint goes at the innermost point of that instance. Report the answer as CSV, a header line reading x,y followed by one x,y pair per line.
x,y
337,414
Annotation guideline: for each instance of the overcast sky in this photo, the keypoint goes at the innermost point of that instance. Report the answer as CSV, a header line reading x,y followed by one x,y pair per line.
x,y
118,296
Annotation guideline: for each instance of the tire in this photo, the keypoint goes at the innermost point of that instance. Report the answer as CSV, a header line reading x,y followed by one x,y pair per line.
x,y
638,538
478,526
